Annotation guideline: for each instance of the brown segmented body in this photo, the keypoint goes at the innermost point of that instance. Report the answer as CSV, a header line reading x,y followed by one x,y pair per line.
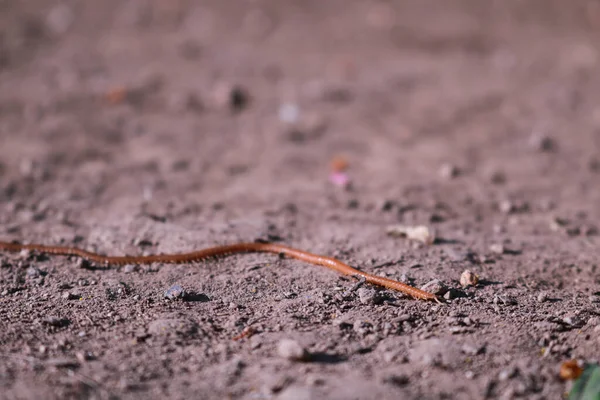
x,y
219,251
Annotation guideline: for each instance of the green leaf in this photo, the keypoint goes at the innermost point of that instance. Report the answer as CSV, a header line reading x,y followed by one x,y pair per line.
x,y
587,386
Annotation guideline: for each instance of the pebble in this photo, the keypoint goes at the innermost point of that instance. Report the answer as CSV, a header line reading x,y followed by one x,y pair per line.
x,y
33,272
129,268
542,142
574,321
468,278
70,296
507,374
436,287
542,297
498,177
25,253
506,206
369,296
83,263
450,294
471,349
288,113
234,97
81,356
420,233
292,350
497,248
449,171
387,205
175,292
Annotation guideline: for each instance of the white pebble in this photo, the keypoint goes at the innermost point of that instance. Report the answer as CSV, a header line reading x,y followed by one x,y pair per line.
x,y
291,350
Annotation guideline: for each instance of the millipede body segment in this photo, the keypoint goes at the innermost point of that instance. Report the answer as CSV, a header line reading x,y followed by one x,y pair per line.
x,y
225,250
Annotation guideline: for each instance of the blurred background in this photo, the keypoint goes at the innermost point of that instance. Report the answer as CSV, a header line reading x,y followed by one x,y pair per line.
x,y
246,102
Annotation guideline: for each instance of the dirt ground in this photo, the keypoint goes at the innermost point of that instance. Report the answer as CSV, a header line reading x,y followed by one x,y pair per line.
x,y
139,127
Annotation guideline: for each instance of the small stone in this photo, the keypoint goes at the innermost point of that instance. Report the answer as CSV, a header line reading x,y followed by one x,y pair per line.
x,y
129,268
471,350
506,206
83,263
574,321
542,297
368,296
292,350
33,272
387,205
497,248
70,296
25,253
468,278
507,374
542,142
230,96
83,356
353,204
288,113
449,171
436,287
175,292
497,178
420,233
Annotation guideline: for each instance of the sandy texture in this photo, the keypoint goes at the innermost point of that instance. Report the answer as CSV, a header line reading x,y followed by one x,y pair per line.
x,y
131,127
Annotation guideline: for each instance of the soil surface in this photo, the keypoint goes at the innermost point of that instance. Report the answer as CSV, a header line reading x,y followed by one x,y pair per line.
x,y
153,126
